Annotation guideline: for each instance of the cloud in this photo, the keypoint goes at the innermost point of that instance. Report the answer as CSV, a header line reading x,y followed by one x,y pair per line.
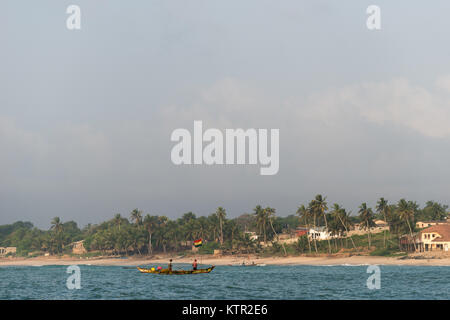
x,y
351,143
397,102
34,159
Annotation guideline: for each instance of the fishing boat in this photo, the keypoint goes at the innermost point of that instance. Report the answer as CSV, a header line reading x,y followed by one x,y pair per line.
x,y
166,271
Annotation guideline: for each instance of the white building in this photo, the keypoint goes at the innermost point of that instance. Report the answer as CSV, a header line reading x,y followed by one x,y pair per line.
x,y
319,233
252,235
5,250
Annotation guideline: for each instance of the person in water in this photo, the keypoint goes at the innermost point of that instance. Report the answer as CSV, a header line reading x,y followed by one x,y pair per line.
x,y
194,265
170,265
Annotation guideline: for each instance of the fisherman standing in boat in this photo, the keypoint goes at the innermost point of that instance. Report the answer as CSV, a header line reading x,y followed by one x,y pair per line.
x,y
170,265
194,265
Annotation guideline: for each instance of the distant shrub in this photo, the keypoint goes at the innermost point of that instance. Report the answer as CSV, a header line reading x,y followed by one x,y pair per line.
x,y
384,252
301,245
209,247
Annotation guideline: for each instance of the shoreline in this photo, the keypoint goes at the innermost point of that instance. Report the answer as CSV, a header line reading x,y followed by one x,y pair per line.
x,y
227,260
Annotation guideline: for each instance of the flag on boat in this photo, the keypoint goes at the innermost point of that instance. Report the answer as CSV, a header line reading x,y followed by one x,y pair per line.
x,y
198,243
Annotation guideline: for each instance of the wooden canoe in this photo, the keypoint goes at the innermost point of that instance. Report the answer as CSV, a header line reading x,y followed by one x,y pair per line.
x,y
166,271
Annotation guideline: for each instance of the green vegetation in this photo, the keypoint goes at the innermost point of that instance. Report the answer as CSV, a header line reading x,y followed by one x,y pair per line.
x,y
149,234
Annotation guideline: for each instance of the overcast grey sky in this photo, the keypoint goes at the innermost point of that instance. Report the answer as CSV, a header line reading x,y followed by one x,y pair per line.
x,y
86,115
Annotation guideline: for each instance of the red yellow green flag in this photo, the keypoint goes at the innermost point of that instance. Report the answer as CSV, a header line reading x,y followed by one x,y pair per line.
x,y
198,243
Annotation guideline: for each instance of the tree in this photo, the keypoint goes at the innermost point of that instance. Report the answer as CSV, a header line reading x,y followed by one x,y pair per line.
x,y
433,211
56,243
118,220
261,221
366,217
150,222
340,215
221,215
313,212
162,227
383,208
406,212
270,214
320,207
56,224
136,216
305,215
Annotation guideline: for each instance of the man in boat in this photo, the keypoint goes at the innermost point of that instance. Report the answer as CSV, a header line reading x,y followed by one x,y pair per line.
x,y
170,265
194,265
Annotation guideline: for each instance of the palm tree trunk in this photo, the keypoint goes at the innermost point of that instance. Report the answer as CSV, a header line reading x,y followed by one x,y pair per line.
x,y
221,232
273,229
412,237
346,230
264,226
314,238
309,242
326,228
150,247
384,238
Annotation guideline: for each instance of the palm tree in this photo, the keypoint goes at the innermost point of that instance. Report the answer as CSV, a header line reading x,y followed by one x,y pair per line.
x,y
118,220
312,210
305,214
203,226
211,226
406,212
221,215
344,219
136,216
162,223
150,223
270,214
383,208
261,221
320,206
366,216
57,227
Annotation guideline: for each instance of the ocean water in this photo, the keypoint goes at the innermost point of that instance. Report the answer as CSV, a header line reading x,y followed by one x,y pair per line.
x,y
227,282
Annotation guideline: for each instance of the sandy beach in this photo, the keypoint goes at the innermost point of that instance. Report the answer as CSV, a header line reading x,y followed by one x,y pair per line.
x,y
229,260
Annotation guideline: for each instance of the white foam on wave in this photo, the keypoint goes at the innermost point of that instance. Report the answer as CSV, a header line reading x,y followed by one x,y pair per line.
x,y
345,265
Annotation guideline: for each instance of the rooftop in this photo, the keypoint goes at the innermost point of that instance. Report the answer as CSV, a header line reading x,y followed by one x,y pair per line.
x,y
442,229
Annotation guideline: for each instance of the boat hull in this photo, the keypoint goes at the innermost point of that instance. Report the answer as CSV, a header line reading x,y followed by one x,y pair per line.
x,y
166,271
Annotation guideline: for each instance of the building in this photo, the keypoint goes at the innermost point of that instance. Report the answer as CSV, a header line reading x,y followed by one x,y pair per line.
x,y
435,238
6,250
319,233
78,247
426,224
381,223
301,231
410,243
251,235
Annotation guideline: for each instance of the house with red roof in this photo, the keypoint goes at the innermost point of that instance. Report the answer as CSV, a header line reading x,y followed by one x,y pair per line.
x,y
435,238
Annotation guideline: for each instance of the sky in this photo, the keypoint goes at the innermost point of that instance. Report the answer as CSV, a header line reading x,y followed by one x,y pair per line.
x,y
86,115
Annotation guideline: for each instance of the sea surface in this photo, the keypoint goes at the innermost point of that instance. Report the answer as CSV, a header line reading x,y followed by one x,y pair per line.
x,y
227,282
